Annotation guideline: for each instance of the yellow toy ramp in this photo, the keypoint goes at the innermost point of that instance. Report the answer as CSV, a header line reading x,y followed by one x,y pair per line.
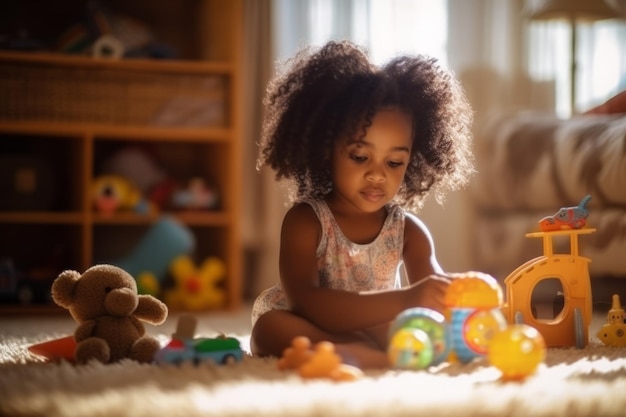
x,y
570,326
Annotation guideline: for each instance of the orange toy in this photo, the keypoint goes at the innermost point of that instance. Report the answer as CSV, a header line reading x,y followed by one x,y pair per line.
x,y
322,362
570,326
56,349
473,289
296,355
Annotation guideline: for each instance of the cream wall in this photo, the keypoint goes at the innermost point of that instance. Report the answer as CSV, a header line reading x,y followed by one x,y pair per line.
x,y
448,224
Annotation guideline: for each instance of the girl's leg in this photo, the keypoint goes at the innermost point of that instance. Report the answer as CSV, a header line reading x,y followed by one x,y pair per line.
x,y
274,331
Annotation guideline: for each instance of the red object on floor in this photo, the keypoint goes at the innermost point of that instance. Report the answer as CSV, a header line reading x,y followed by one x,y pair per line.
x,y
56,349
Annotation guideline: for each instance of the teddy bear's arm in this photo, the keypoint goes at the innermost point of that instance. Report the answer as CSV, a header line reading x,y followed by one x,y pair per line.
x,y
137,324
84,330
150,309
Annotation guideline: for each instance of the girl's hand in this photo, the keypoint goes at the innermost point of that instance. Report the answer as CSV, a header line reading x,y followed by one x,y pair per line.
x,y
430,292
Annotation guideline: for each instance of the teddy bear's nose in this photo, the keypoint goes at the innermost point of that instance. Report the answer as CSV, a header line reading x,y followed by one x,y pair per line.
x,y
121,302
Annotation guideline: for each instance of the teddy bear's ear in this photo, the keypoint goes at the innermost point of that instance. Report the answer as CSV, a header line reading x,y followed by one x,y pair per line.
x,y
63,288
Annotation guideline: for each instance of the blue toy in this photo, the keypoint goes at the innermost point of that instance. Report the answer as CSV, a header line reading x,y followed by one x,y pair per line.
x,y
149,262
472,330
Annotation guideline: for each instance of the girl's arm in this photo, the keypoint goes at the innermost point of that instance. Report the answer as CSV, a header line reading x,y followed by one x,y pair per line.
x,y
335,311
422,268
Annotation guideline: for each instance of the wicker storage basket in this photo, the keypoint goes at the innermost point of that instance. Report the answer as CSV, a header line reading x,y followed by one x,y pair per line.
x,y
110,95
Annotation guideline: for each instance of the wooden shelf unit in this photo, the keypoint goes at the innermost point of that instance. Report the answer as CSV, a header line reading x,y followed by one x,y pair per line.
x,y
73,149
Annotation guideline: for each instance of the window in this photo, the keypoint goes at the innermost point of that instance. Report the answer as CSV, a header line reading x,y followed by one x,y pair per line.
x,y
386,27
600,60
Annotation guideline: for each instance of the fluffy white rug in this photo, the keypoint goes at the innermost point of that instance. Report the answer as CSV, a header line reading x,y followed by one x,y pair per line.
x,y
571,382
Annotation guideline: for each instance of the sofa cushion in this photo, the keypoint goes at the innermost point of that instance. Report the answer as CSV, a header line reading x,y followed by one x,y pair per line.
x,y
536,161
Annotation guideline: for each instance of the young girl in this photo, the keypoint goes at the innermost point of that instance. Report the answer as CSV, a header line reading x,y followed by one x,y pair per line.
x,y
361,144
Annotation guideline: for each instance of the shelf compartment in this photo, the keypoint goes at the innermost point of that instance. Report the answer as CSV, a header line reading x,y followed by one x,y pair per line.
x,y
169,167
118,243
38,174
53,246
118,94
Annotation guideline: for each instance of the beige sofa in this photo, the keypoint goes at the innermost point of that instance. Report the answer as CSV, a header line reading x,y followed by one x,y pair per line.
x,y
529,165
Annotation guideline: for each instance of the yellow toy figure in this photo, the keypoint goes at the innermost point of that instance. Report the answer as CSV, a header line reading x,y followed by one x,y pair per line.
x,y
196,288
113,193
613,333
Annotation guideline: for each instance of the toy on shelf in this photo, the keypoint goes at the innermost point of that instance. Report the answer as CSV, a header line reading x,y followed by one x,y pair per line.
x,y
613,333
196,289
197,195
185,347
113,193
517,351
109,312
320,362
149,261
570,327
418,338
567,217
473,301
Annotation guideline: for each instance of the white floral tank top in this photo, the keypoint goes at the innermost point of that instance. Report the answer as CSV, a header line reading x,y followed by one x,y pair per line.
x,y
346,265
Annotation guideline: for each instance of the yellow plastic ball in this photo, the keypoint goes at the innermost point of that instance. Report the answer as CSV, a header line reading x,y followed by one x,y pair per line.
x,y
517,351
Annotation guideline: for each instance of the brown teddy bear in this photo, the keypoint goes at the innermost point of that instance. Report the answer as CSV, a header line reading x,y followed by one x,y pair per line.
x,y
105,304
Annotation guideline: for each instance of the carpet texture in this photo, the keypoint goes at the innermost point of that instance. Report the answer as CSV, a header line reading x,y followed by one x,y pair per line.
x,y
571,382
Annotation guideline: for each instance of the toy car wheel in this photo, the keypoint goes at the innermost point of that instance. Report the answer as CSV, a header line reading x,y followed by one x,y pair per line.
x,y
177,361
229,359
579,328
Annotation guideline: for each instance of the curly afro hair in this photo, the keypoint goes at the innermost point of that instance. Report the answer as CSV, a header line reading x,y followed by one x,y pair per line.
x,y
335,90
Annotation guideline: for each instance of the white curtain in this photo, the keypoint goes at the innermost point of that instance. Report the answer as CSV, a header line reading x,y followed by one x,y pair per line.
x,y
385,27
260,200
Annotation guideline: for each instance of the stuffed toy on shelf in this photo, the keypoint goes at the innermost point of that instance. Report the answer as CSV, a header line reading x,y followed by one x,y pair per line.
x,y
196,288
113,193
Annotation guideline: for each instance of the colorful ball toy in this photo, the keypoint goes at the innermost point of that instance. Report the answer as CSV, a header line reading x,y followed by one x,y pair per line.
x,y
410,349
517,351
473,301
473,330
419,337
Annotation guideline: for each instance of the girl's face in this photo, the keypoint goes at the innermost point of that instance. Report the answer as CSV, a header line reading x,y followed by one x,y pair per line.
x,y
368,173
